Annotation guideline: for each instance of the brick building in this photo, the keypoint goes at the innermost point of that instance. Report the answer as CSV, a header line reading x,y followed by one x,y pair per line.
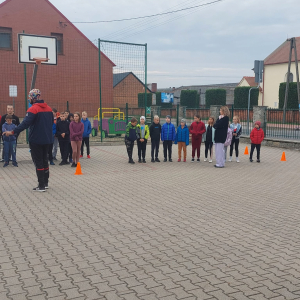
x,y
127,86
75,78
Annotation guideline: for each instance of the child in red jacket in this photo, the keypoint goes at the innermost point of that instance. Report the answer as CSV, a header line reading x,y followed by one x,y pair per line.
x,y
256,137
197,128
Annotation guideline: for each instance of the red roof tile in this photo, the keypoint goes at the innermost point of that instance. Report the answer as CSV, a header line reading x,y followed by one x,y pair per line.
x,y
281,54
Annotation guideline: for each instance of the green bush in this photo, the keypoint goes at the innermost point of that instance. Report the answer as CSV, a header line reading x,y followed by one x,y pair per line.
x,y
189,98
292,102
241,97
141,99
215,97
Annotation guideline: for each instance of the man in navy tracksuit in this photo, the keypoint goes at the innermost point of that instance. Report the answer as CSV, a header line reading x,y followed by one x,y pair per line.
x,y
39,120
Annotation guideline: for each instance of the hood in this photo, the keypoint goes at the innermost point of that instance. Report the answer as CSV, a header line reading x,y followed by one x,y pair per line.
x,y
40,103
83,121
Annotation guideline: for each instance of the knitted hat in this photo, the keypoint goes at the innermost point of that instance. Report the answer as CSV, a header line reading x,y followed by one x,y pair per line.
x,y
168,116
183,121
258,123
142,118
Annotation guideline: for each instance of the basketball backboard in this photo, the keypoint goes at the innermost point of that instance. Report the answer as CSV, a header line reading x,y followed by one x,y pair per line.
x,y
32,46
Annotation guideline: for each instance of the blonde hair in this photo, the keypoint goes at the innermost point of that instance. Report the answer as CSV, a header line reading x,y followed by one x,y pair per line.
x,y
225,111
155,117
238,118
84,112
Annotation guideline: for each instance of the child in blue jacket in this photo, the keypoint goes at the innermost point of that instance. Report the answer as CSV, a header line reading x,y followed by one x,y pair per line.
x,y
182,139
9,142
86,134
168,137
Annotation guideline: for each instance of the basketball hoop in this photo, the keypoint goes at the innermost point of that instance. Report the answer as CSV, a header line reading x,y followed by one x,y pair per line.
x,y
39,60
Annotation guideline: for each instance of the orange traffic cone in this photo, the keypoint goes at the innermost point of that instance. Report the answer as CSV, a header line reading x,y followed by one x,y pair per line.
x,y
283,156
78,169
246,151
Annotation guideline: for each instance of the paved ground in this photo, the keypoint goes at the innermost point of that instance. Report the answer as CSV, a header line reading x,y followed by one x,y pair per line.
x,y
152,231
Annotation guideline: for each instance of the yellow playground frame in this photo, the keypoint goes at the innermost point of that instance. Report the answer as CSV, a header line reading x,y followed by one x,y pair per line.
x,y
111,111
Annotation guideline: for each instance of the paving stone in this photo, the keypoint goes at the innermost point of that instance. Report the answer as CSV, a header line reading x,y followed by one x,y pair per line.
x,y
178,240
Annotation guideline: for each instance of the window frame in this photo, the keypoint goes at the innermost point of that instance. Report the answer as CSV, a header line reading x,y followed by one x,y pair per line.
x,y
7,30
59,38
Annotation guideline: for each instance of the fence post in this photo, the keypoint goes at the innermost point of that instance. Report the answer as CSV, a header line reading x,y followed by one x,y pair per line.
x,y
126,113
100,90
215,111
67,105
177,115
232,111
145,80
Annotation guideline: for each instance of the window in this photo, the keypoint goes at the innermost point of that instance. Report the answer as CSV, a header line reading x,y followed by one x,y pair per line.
x,y
291,78
5,38
59,37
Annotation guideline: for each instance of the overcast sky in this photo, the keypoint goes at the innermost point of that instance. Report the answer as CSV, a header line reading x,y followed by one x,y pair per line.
x,y
212,44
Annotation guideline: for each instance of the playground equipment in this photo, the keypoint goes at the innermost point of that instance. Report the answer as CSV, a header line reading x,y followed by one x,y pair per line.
x,y
110,126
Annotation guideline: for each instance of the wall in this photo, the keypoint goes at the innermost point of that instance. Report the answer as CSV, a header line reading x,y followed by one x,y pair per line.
x,y
274,75
127,92
76,76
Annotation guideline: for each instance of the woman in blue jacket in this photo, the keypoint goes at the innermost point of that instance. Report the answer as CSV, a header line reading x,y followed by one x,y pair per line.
x,y
182,139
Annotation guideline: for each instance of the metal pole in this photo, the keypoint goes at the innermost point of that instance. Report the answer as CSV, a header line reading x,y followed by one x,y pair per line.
x,y
14,103
100,90
35,69
67,105
287,81
26,96
126,112
145,80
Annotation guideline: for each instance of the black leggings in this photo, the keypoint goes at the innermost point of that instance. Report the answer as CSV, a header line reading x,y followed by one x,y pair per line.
x,y
208,146
253,146
234,142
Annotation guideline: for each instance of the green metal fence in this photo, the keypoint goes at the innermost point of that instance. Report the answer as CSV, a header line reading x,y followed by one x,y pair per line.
x,y
277,128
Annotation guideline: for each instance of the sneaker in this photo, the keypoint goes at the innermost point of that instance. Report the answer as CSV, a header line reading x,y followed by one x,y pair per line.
x,y
81,156
140,160
73,165
5,165
193,159
39,189
258,161
237,160
170,160
210,160
251,160
1,159
88,156
46,186
15,164
62,163
52,163
54,158
165,160
198,159
230,159
152,160
144,161
179,160
131,162
205,159
157,160
184,160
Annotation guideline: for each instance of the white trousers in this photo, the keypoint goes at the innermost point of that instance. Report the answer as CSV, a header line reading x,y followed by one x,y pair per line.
x,y
220,155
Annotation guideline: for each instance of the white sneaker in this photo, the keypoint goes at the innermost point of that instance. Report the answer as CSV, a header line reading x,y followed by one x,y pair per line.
x,y
230,158
210,160
237,160
205,159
